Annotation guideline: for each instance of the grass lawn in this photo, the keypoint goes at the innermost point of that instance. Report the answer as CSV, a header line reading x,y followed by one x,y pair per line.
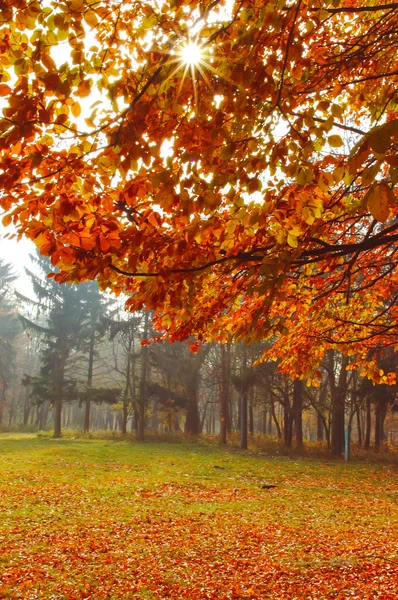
x,y
98,519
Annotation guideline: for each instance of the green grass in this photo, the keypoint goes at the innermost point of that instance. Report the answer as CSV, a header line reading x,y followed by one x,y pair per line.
x,y
106,519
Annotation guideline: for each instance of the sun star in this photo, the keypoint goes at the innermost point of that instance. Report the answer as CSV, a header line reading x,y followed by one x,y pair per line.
x,y
191,54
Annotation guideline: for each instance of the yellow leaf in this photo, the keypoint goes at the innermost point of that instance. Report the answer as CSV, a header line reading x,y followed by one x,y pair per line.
x,y
91,18
231,226
335,141
304,176
292,240
296,231
76,109
211,198
40,240
308,216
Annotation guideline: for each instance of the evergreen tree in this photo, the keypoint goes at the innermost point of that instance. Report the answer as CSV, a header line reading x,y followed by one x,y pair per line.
x,y
92,331
8,330
64,315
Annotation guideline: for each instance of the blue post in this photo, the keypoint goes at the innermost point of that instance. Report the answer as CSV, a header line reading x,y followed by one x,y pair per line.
x,y
347,441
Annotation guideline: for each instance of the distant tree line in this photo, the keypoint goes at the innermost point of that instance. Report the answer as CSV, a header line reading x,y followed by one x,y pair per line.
x,y
72,357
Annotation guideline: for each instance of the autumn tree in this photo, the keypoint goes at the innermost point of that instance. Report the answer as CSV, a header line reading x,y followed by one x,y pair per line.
x,y
230,165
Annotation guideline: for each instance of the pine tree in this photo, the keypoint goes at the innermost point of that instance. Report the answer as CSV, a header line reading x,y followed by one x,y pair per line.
x,y
60,318
8,330
93,330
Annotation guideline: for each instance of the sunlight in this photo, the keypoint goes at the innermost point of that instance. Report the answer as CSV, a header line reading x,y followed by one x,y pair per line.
x,y
191,54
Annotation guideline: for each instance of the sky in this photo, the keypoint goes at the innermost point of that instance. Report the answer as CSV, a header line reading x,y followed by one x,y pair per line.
x,y
17,254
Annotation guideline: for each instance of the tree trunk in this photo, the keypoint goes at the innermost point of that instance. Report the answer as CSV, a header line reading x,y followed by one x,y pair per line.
x,y
125,406
26,408
87,408
338,393
319,428
243,418
206,418
57,416
39,410
287,419
368,425
243,403
383,418
86,428
60,357
270,416
380,414
213,419
377,426
143,384
125,414
275,419
230,421
169,419
58,401
337,441
264,420
154,425
12,411
298,412
288,432
192,421
251,417
359,428
224,392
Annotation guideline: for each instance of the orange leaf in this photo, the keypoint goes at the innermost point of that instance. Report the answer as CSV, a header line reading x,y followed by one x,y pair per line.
x,y
377,200
4,89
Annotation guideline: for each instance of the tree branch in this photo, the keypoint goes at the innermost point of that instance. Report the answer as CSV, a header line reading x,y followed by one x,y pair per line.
x,y
339,125
306,257
352,9
285,59
358,9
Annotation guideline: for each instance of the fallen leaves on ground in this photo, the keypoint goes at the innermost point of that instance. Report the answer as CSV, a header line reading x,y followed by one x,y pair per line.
x,y
158,522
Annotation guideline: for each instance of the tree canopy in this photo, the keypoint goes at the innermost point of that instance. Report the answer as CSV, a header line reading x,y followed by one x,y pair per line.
x,y
229,164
